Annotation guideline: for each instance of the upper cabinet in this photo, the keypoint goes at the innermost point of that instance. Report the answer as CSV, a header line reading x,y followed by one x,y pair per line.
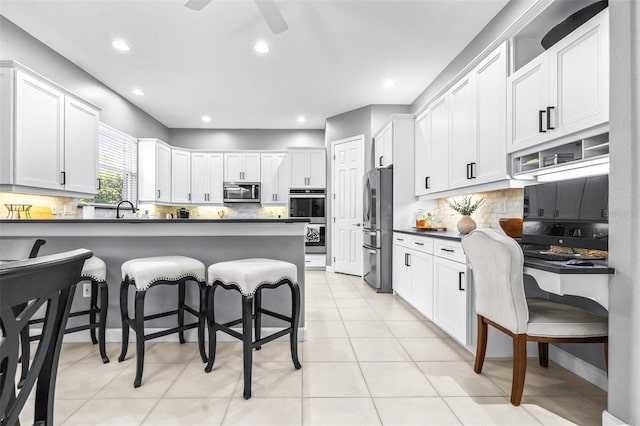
x,y
562,91
383,146
242,167
180,176
154,171
207,177
50,142
274,178
432,148
308,168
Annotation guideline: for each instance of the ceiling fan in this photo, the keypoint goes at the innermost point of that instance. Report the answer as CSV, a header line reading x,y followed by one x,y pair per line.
x,y
268,9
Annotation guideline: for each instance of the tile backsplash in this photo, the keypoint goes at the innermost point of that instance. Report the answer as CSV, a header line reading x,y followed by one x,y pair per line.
x,y
497,204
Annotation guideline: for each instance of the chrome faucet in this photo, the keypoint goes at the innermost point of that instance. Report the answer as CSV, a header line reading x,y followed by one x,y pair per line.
x,y
133,209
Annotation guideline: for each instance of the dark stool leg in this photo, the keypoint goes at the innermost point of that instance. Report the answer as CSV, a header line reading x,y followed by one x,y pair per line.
x,y
258,320
211,328
181,294
25,349
104,305
92,310
247,343
201,319
124,316
295,319
139,321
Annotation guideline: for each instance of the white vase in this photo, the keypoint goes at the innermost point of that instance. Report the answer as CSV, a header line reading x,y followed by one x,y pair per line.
x,y
466,224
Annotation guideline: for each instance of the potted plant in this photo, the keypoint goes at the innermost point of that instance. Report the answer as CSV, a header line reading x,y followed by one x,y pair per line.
x,y
465,207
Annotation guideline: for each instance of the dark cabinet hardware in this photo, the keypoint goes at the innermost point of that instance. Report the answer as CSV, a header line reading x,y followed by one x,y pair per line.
x,y
400,239
426,183
540,212
549,127
158,193
408,259
406,262
417,243
63,177
380,161
541,121
460,274
472,167
189,197
468,171
447,250
99,184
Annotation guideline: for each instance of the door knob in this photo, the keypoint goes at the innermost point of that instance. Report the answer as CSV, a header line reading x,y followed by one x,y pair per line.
x,y
357,224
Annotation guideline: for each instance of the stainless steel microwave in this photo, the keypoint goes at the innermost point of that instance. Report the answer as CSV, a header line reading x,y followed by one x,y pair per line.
x,y
241,192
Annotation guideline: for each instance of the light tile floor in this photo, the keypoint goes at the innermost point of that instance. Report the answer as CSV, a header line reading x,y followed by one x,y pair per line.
x,y
369,359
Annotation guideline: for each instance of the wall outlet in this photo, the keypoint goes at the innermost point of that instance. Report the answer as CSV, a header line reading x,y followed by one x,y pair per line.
x,y
86,290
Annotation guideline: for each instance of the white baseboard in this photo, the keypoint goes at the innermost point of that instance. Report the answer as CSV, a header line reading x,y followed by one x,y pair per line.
x,y
609,419
579,367
115,335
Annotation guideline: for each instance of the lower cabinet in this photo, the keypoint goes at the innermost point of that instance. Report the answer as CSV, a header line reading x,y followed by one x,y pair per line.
x,y
413,272
451,304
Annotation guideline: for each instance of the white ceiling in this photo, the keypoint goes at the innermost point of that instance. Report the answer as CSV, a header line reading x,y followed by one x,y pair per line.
x,y
333,58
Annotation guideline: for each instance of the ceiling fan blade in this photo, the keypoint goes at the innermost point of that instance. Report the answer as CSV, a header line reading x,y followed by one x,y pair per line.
x,y
271,13
197,4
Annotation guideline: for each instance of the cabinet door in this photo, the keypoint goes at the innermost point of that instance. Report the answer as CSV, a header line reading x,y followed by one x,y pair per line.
x,y
147,171
298,166
450,298
163,173
491,113
233,166
422,282
595,201
438,147
462,135
216,179
527,100
268,179
39,133
180,176
317,174
80,147
420,185
579,80
199,177
401,274
251,168
569,198
541,201
282,179
383,147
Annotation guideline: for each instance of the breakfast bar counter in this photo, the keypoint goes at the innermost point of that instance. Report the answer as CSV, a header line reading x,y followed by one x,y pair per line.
x,y
208,240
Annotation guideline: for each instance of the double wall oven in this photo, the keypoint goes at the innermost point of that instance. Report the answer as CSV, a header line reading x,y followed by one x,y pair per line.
x,y
311,203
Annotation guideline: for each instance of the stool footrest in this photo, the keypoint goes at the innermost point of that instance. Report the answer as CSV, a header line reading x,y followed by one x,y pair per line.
x,y
229,331
191,311
232,323
160,315
272,337
274,314
170,331
68,330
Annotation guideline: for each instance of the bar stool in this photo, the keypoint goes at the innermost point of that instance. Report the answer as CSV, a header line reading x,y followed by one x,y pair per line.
x,y
250,277
145,273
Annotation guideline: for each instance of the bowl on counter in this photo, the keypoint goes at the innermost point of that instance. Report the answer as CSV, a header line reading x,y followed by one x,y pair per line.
x,y
512,226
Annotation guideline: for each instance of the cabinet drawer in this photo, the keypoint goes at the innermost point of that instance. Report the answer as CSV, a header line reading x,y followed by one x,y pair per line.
x,y
450,250
421,244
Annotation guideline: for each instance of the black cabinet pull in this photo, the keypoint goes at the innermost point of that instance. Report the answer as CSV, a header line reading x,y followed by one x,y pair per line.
x,y
468,173
549,118
460,274
406,262
99,184
540,212
189,197
63,177
417,243
448,250
472,167
408,259
158,193
426,183
380,161
399,239
541,121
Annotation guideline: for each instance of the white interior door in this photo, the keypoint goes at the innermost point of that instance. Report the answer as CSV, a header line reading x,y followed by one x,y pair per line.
x,y
348,172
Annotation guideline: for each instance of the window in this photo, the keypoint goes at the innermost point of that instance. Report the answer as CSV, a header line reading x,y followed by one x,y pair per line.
x,y
117,168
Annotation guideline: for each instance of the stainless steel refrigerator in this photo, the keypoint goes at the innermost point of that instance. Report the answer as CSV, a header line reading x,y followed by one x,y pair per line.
x,y
378,228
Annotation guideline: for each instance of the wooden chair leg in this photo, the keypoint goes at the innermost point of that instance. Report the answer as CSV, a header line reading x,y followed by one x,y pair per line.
x,y
93,304
257,328
139,321
124,316
543,354
181,296
481,345
295,319
519,367
211,328
102,328
201,320
247,343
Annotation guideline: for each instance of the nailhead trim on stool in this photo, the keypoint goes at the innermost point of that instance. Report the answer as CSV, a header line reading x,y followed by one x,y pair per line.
x,y
145,273
249,277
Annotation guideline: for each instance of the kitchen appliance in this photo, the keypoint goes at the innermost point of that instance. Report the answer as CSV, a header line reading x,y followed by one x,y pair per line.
x,y
315,238
241,192
182,213
310,203
378,228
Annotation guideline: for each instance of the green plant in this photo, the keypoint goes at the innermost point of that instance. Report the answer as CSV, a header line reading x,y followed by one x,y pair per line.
x,y
465,206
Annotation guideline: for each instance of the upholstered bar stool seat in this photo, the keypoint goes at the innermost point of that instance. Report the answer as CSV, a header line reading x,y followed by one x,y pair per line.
x,y
249,277
95,269
148,272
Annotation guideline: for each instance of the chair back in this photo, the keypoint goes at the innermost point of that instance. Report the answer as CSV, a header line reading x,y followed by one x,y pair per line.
x,y
497,264
19,248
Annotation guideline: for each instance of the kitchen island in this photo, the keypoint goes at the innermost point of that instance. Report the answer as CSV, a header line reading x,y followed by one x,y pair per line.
x,y
208,240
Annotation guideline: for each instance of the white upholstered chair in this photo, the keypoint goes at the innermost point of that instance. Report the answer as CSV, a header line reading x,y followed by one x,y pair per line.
x,y
497,264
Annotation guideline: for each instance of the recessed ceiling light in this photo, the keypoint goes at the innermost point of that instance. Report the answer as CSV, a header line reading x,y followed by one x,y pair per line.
x,y
121,45
261,47
387,84
137,92
206,118
301,119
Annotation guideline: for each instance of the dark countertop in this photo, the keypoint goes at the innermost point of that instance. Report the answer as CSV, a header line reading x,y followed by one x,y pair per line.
x,y
445,235
113,220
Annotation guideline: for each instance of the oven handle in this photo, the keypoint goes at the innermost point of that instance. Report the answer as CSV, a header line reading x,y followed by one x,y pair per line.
x,y
306,196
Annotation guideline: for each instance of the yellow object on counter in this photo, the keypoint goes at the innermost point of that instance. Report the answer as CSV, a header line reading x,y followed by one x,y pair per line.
x,y
40,212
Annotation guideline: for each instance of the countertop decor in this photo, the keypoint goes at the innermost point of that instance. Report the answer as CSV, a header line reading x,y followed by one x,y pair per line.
x,y
465,207
512,226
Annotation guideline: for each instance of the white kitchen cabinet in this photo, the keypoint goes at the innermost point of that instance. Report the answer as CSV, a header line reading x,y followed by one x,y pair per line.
x,y
154,171
50,141
308,168
462,135
383,146
412,271
207,177
180,176
564,90
401,273
274,178
432,148
242,167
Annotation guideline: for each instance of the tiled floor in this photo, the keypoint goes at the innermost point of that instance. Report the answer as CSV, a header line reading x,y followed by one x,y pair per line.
x,y
369,359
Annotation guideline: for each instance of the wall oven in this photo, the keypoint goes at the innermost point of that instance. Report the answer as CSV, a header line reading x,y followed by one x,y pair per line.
x,y
241,192
310,203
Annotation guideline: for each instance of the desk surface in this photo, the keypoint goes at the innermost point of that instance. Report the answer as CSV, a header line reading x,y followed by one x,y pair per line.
x,y
561,267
